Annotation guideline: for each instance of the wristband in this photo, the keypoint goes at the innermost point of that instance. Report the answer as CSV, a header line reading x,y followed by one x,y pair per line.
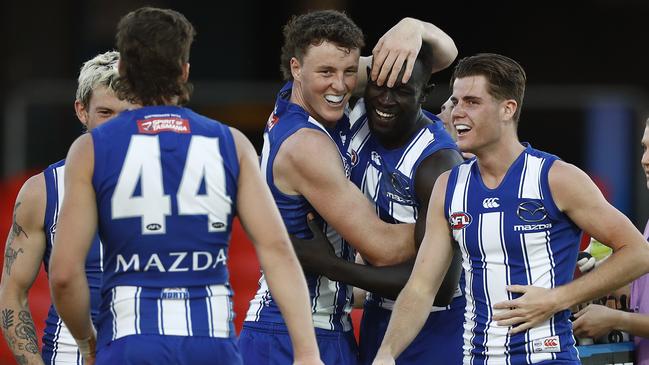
x,y
88,345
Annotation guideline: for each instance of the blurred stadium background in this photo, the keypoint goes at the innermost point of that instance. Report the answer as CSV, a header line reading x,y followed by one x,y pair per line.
x,y
587,97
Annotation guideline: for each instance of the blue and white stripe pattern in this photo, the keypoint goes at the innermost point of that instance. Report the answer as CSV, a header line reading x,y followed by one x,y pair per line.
x,y
59,346
195,311
165,179
330,300
386,176
513,234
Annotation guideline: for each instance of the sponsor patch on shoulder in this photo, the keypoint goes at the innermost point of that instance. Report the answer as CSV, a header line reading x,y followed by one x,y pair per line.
x,y
547,344
155,124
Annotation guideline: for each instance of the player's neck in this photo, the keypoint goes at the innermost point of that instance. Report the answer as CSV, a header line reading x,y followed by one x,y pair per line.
x,y
495,161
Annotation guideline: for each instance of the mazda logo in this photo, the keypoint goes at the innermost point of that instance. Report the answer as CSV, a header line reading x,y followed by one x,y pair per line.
x,y
531,211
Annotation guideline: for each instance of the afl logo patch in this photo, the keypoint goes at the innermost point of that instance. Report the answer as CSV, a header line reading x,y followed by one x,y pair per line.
x,y
459,220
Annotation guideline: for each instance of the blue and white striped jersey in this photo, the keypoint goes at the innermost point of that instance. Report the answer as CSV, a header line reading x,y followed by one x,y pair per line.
x,y
59,346
513,234
387,176
330,300
165,179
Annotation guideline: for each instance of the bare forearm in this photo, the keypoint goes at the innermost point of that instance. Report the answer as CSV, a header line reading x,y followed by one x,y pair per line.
x,y
408,317
19,332
72,302
288,287
618,270
444,47
387,281
636,324
392,244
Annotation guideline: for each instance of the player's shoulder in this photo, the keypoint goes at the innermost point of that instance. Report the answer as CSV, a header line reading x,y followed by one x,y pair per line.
x,y
308,143
564,173
32,197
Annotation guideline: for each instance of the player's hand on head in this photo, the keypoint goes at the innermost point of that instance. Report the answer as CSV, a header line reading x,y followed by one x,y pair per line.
x,y
313,252
398,47
535,306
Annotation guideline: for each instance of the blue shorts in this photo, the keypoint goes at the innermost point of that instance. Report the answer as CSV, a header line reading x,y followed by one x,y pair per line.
x,y
181,350
440,341
269,344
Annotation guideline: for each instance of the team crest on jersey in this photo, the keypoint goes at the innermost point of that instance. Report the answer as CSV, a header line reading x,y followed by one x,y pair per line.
x,y
154,124
459,220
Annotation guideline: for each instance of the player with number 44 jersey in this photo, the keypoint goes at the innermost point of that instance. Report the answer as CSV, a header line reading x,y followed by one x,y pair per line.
x,y
161,185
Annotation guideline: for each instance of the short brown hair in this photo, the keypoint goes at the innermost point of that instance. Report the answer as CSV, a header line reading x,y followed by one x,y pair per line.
x,y
154,46
312,29
505,77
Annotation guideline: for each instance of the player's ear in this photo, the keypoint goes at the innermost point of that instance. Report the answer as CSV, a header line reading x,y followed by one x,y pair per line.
x,y
509,108
81,112
296,68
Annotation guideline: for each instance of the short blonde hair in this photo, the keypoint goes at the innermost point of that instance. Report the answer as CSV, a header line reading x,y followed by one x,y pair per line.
x,y
99,71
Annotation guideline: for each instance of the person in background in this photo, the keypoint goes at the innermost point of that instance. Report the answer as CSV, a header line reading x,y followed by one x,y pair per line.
x,y
598,320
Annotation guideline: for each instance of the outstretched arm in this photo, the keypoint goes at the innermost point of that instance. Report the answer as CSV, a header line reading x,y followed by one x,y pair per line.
x,y
261,220
76,228
317,256
23,255
578,197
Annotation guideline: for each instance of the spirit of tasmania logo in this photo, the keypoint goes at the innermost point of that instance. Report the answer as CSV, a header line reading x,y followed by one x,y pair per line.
x,y
154,124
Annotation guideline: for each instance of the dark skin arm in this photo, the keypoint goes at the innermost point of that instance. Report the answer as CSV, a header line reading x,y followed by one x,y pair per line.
x,y
317,256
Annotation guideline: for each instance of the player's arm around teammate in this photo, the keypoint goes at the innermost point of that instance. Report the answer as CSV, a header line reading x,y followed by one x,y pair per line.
x,y
24,251
337,199
325,185
317,256
263,223
578,197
